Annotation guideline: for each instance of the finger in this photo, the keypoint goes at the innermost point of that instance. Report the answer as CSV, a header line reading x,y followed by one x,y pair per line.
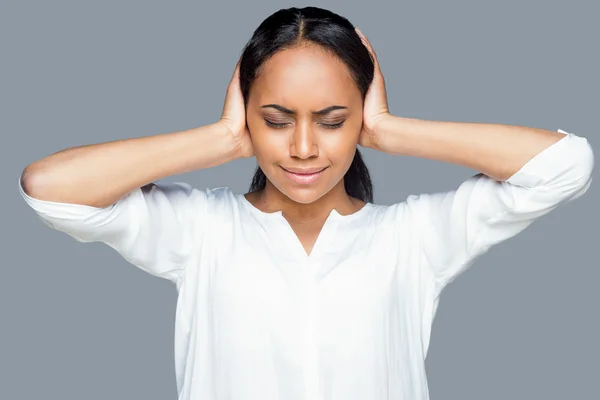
x,y
369,47
236,71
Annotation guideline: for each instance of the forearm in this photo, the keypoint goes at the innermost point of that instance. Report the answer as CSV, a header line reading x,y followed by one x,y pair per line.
x,y
100,174
494,149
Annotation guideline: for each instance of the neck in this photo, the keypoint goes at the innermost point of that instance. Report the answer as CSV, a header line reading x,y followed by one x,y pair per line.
x,y
270,199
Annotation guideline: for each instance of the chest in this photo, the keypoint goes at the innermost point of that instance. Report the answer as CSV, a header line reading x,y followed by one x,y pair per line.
x,y
279,270
306,237
255,290
278,295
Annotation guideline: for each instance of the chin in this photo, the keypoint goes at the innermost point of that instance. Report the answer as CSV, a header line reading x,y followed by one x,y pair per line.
x,y
303,194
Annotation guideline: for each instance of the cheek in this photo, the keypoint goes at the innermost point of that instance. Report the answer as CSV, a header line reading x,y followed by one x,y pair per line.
x,y
264,142
268,146
340,145
341,157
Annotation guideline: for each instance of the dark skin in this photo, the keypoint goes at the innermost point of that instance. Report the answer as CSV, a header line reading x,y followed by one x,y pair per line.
x,y
304,80
309,79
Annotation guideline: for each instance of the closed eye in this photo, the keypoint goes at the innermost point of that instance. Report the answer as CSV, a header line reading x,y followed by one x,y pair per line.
x,y
275,125
281,125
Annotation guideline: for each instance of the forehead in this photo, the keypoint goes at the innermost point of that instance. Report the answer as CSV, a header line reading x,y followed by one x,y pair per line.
x,y
306,75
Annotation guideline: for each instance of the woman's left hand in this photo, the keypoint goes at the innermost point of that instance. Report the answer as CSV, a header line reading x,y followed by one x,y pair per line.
x,y
375,105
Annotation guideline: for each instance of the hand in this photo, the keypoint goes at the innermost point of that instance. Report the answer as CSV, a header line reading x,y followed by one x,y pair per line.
x,y
375,106
234,116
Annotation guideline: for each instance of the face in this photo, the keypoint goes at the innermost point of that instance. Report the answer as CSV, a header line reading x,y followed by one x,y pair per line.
x,y
304,115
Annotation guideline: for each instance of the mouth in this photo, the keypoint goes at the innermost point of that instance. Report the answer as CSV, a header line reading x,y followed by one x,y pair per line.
x,y
304,175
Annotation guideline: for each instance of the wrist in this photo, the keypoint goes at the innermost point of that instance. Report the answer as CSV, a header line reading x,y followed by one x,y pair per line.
x,y
391,134
217,137
240,147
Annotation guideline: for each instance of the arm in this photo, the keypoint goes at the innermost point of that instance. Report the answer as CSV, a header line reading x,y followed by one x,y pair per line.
x,y
526,173
101,193
100,174
496,150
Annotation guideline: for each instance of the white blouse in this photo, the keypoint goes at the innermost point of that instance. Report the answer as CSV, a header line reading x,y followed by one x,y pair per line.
x,y
258,319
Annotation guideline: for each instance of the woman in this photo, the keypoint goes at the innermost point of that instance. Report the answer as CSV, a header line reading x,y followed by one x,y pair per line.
x,y
303,288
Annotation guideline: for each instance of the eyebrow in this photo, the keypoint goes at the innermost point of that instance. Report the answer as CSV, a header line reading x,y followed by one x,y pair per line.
x,y
324,111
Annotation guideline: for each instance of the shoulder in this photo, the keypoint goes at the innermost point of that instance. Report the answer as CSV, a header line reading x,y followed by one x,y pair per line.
x,y
388,212
181,189
187,199
220,202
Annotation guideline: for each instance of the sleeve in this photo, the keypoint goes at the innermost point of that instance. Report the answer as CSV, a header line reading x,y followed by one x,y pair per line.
x,y
154,227
457,226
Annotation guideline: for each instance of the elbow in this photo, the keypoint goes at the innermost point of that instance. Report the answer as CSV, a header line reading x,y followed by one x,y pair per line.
x,y
40,185
31,182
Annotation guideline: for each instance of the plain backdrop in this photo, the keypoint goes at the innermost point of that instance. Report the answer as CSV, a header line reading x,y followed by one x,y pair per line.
x,y
79,322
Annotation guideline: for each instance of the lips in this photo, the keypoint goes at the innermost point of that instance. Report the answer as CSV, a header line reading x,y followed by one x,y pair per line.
x,y
304,171
304,175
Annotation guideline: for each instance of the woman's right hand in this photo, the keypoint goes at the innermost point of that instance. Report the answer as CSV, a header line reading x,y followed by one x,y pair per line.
x,y
234,116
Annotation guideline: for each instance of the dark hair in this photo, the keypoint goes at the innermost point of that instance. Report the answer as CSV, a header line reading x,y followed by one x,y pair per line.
x,y
293,27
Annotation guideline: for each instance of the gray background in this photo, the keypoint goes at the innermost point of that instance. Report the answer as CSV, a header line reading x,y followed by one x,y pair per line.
x,y
79,322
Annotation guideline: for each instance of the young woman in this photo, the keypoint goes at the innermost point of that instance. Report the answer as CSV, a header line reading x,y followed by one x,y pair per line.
x,y
303,288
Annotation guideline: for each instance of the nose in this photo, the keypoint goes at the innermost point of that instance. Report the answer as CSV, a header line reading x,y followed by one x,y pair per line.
x,y
304,142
